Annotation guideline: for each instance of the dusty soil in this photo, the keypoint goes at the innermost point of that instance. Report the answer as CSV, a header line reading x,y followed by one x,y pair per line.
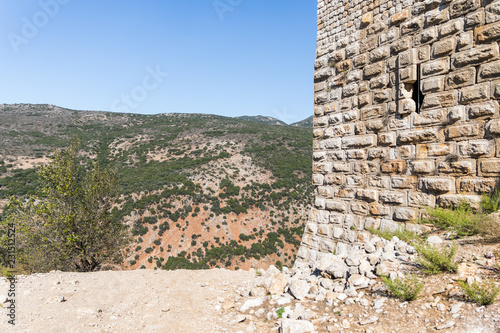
x,y
210,301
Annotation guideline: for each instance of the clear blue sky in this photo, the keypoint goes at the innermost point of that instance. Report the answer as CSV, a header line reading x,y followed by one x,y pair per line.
x,y
225,57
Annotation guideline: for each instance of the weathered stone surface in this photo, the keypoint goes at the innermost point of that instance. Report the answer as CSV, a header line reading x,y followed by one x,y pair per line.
x,y
417,136
487,32
299,288
437,185
474,56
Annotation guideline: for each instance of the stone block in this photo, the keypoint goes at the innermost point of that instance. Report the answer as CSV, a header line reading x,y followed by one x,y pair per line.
x,y
379,82
489,166
474,56
494,127
378,153
388,36
380,96
440,66
489,70
350,90
401,45
366,19
437,185
334,143
462,7
444,47
429,117
440,100
405,214
462,167
403,182
434,150
495,89
456,113
475,148
400,17
341,167
389,138
420,199
408,74
412,26
380,53
426,36
487,33
336,206
475,93
360,208
465,40
393,166
474,19
359,141
492,12
460,78
393,197
488,109
437,16
451,27
318,179
423,167
325,191
367,195
389,225
360,60
461,131
373,112
406,106
333,179
356,154
433,84
425,135
374,69
454,200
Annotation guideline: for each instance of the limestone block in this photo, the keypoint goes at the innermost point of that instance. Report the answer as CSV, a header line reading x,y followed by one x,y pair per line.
x,y
437,185
367,195
423,167
425,135
475,148
437,16
465,40
401,45
383,95
494,127
462,7
489,166
462,167
360,208
334,178
377,209
433,84
405,214
475,93
462,131
378,153
420,199
441,66
495,87
400,17
359,141
325,191
424,53
487,32
367,19
325,230
374,69
393,197
323,167
375,125
334,143
389,138
474,56
426,36
493,12
429,117
360,60
460,78
380,53
488,109
356,154
337,219
341,167
393,166
379,82
319,203
350,90
444,47
389,225
474,19
456,113
451,27
323,74
379,182
453,200
489,70
403,182
388,36
440,100
336,205
412,26
318,179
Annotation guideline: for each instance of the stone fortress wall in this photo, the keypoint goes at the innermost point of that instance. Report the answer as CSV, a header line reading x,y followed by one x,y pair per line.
x,y
406,115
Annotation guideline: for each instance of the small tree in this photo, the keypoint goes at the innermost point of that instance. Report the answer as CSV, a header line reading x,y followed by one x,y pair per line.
x,y
68,226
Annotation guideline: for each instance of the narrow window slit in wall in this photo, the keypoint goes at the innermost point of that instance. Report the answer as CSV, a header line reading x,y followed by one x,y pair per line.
x,y
417,96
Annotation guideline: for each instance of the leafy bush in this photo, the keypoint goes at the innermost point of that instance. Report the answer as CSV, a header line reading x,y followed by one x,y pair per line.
x,y
482,293
437,260
462,219
406,289
491,203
